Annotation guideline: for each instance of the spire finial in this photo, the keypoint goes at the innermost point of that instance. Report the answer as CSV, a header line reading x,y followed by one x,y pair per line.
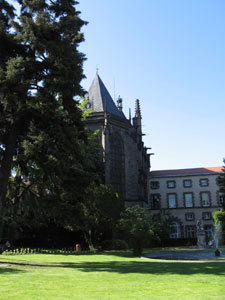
x,y
120,103
137,109
130,114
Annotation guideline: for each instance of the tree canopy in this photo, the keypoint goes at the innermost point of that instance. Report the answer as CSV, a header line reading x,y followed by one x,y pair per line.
x,y
44,148
221,183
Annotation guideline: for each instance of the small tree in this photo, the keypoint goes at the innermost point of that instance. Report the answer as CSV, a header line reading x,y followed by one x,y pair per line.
x,y
219,216
221,183
100,213
138,226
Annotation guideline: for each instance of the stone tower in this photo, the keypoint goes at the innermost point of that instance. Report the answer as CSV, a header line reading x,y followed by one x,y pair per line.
x,y
125,157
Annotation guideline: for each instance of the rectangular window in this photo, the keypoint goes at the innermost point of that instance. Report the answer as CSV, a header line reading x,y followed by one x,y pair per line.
x,y
154,185
206,215
171,184
155,201
204,182
175,232
190,231
221,199
189,216
205,199
188,200
172,200
187,183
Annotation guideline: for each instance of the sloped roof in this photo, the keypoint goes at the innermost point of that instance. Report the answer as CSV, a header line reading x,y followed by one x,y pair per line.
x,y
184,172
99,97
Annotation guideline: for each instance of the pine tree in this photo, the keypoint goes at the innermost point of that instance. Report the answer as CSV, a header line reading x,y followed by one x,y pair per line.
x,y
42,135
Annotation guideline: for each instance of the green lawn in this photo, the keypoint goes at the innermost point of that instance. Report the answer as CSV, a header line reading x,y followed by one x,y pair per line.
x,y
108,276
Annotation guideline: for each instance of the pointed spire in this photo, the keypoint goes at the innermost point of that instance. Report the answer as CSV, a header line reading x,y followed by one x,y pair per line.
x,y
130,114
137,118
137,109
101,99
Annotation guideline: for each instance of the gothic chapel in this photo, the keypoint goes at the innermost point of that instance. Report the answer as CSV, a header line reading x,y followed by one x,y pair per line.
x,y
126,160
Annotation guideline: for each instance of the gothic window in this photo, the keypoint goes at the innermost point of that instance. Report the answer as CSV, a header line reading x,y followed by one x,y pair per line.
x,y
117,164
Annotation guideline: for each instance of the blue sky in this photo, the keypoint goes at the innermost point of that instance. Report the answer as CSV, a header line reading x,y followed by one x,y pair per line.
x,y
170,54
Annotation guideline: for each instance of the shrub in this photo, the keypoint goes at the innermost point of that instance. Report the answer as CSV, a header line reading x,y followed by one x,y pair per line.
x,y
114,245
219,217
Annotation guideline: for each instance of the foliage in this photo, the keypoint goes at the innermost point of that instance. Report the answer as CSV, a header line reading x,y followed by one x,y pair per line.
x,y
221,183
25,251
43,141
114,244
161,227
100,212
138,226
219,216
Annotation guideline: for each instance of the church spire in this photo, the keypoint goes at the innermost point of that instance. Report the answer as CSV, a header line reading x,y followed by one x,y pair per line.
x,y
101,100
137,118
137,109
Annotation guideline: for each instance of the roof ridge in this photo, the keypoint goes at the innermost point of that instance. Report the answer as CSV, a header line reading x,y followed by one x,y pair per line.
x,y
201,170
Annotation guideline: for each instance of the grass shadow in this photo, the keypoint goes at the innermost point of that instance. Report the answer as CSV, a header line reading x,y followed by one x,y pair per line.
x,y
149,267
9,270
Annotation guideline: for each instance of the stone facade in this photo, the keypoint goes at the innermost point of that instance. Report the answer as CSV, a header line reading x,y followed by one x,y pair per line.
x,y
125,157
189,195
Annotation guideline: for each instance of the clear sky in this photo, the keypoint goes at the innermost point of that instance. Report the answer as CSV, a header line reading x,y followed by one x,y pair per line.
x,y
170,54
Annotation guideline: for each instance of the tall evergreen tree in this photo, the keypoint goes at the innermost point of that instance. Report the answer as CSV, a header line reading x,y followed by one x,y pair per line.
x,y
42,136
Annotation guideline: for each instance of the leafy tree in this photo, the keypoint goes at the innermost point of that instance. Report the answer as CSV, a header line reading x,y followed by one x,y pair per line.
x,y
221,182
100,213
219,216
138,226
42,135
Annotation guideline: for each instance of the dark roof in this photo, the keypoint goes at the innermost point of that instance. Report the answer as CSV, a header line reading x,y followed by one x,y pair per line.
x,y
183,172
99,97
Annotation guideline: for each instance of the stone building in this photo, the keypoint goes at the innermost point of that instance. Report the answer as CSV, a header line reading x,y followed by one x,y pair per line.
x,y
189,195
126,161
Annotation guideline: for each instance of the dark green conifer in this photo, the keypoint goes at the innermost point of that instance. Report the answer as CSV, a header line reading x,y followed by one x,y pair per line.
x,y
42,135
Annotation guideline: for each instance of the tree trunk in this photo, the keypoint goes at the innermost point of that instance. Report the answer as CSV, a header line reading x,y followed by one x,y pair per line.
x,y
88,239
5,172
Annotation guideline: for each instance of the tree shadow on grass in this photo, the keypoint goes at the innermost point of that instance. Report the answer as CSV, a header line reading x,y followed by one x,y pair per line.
x,y
135,267
9,270
148,267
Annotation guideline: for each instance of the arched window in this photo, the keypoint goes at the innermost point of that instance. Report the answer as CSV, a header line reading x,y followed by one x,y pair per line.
x,y
117,164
